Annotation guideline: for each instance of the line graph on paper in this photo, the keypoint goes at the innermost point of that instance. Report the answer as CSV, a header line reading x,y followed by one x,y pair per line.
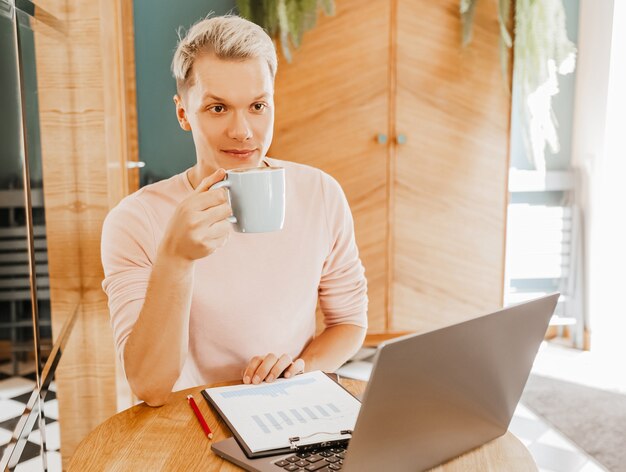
x,y
270,390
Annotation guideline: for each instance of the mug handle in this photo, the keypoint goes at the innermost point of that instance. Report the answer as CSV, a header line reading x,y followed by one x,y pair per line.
x,y
220,184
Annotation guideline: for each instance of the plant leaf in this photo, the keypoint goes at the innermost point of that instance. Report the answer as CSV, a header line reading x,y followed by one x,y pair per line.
x,y
283,27
328,6
245,9
285,20
467,9
294,21
506,42
270,17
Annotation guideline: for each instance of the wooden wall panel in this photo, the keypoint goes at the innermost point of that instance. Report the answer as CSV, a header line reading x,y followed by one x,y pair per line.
x,y
120,119
118,67
58,161
451,179
81,100
331,102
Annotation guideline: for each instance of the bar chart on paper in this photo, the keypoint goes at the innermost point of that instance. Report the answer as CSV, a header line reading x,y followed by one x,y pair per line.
x,y
310,406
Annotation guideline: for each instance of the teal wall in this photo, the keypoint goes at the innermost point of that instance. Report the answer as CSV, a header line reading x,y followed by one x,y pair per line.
x,y
31,100
10,136
163,146
11,159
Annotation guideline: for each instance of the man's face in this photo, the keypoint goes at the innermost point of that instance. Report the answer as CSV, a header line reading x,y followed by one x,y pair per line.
x,y
229,108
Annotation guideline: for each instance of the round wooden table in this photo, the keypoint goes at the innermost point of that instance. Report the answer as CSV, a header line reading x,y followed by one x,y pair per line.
x,y
170,438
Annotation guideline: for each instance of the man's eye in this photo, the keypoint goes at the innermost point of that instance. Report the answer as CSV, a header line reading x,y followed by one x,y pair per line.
x,y
259,106
217,108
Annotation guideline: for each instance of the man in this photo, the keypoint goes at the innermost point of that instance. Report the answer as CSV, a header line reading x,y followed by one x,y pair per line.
x,y
191,301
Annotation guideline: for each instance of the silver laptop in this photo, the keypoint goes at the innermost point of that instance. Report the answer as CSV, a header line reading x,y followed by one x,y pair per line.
x,y
431,397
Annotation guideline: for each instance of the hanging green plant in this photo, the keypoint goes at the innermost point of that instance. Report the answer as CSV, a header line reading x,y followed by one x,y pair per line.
x,y
285,20
541,50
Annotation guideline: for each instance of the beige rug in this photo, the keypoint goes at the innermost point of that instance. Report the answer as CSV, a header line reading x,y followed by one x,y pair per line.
x,y
594,419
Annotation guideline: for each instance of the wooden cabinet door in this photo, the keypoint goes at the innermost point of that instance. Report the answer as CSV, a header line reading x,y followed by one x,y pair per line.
x,y
450,185
331,103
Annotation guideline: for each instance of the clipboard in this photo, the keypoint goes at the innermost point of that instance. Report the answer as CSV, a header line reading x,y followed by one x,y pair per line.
x,y
338,401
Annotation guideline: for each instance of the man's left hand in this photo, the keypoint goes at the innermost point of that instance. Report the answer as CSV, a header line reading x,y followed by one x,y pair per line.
x,y
270,367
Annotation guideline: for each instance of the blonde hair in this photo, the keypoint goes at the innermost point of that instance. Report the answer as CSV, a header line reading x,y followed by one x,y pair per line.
x,y
228,37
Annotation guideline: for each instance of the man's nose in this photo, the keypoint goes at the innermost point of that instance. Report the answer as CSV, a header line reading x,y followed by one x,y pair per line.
x,y
239,128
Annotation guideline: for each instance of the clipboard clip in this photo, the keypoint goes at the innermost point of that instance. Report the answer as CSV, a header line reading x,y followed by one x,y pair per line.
x,y
294,440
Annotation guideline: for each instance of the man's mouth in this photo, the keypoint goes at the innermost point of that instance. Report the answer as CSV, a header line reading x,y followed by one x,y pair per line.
x,y
239,153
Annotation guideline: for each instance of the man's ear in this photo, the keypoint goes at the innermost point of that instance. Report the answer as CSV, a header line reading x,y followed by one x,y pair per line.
x,y
181,113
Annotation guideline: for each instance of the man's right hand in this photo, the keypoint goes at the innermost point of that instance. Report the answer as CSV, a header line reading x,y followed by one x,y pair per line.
x,y
199,225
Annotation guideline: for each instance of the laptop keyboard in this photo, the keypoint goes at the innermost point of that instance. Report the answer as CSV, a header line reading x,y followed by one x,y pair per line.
x,y
318,460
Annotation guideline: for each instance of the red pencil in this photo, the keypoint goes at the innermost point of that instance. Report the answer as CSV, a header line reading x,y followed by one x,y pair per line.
x,y
196,410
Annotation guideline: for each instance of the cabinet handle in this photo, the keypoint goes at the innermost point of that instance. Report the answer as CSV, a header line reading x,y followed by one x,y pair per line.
x,y
381,138
135,164
401,139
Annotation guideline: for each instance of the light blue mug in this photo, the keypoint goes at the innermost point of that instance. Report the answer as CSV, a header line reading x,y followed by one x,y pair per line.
x,y
257,197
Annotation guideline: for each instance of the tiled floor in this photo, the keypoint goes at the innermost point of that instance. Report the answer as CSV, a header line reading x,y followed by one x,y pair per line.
x,y
552,451
600,369
14,394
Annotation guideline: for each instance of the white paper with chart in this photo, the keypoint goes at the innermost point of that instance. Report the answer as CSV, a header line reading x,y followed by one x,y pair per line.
x,y
310,406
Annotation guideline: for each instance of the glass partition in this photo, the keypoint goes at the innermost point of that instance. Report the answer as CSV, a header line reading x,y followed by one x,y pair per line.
x,y
28,357
15,297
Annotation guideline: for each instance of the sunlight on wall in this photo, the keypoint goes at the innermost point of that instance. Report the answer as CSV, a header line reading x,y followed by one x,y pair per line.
x,y
607,288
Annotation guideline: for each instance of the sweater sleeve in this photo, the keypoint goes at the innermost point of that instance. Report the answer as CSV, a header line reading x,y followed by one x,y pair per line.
x,y
127,251
343,287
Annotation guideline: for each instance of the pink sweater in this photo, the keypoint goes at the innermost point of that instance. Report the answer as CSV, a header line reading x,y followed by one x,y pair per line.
x,y
255,295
